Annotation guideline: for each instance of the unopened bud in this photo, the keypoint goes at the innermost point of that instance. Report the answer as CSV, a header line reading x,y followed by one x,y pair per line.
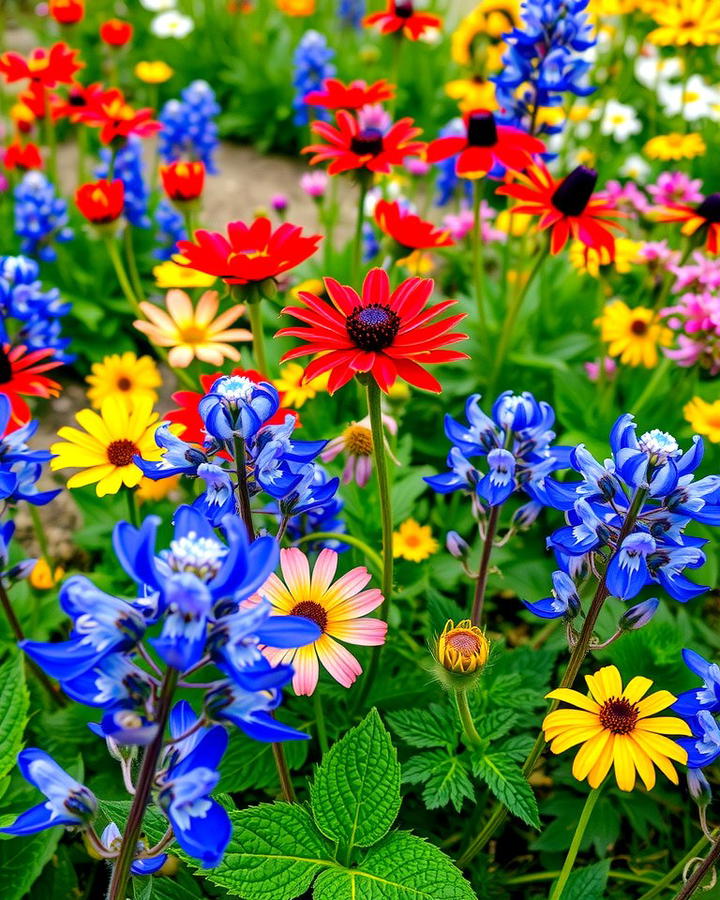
x,y
457,546
639,615
699,787
461,652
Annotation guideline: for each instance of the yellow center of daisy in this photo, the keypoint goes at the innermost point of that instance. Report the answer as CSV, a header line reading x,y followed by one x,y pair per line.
x,y
193,335
618,715
358,440
308,609
120,453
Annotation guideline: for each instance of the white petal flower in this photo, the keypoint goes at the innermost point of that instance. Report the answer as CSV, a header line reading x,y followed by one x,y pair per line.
x,y
171,24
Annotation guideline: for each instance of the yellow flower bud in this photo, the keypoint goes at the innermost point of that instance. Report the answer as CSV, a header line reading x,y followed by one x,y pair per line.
x,y
463,648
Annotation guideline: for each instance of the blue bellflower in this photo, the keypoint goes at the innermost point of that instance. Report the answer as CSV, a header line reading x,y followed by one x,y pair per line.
x,y
130,169
41,217
189,127
564,601
311,66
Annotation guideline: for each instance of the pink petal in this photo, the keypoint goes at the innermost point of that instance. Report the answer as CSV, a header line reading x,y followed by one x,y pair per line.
x,y
324,572
306,674
346,587
339,662
356,606
296,573
364,632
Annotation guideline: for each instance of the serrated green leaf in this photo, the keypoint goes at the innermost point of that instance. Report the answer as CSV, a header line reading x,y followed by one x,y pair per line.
x,y
402,867
355,795
518,746
182,886
505,779
14,703
423,728
496,723
444,776
142,888
274,854
588,883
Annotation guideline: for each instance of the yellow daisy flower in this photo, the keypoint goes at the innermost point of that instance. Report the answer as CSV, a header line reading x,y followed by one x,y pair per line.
x,y
294,391
310,286
193,332
170,275
472,93
125,376
418,263
632,333
157,72
588,259
704,417
683,22
413,541
675,146
616,728
483,29
106,448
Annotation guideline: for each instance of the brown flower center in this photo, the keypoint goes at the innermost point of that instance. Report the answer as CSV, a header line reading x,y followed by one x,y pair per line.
x,y
373,327
368,141
573,194
358,440
308,609
120,453
124,383
6,372
463,642
618,715
639,327
482,131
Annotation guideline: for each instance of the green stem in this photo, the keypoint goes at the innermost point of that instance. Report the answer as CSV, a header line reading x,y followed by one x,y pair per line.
x,y
575,843
477,258
357,242
694,881
481,582
51,139
320,723
472,738
122,275
82,151
651,386
133,512
374,557
128,848
243,495
532,877
132,265
256,327
40,535
676,870
286,785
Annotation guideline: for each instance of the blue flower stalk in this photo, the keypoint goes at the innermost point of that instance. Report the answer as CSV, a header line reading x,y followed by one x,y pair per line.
x,y
311,66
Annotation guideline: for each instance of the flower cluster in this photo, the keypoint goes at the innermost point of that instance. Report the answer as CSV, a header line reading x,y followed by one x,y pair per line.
x,y
20,467
41,216
129,168
189,129
311,66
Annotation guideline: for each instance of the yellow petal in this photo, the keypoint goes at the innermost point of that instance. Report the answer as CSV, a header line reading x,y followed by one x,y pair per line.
x,y
661,745
655,702
599,771
664,725
573,736
567,695
643,764
636,688
589,754
624,765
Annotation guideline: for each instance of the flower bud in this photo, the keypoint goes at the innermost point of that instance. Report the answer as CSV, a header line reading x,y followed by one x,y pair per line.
x,y
457,546
461,652
638,615
699,787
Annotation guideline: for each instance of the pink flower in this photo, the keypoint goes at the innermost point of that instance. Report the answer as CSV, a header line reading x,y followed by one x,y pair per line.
x,y
593,368
673,188
374,116
461,224
416,166
657,254
314,184
279,202
356,441
339,610
702,274
627,197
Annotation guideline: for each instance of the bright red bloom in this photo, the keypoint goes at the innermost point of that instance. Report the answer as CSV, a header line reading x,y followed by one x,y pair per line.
x,y
694,218
400,16
21,375
250,253
388,335
101,202
116,33
79,97
567,207
116,119
409,230
67,12
486,145
25,157
187,413
355,95
44,68
183,181
351,147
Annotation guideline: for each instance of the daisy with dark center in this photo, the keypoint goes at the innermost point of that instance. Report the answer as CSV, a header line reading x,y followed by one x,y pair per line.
x,y
399,18
633,333
407,230
354,95
701,221
123,375
22,375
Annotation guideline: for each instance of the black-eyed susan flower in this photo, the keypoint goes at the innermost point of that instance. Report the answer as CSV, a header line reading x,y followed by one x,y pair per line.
x,y
683,22
294,389
413,541
633,333
123,375
617,727
675,146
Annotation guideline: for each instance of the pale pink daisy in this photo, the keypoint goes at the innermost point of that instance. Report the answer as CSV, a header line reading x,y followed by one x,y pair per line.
x,y
356,441
674,188
338,609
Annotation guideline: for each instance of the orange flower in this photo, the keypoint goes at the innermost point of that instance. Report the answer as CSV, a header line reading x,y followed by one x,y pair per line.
x,y
66,12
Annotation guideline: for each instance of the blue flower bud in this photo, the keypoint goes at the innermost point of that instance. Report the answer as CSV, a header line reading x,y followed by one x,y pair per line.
x,y
639,615
699,787
457,546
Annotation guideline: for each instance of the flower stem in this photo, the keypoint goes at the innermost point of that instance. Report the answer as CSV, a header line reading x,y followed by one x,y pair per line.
x,y
575,844
256,327
651,386
320,723
693,882
470,732
374,557
477,258
481,582
40,535
132,265
676,870
357,242
243,494
380,459
128,848
286,785
133,513
122,275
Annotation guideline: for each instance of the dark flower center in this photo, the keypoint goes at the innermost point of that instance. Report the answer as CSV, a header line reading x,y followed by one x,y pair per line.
x,y
369,140
124,383
709,209
618,715
404,9
639,327
308,609
120,453
373,327
464,642
482,131
573,193
6,373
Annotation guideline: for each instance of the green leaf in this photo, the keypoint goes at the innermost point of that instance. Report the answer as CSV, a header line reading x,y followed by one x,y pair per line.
x,y
406,491
22,859
431,727
14,702
142,888
588,883
402,867
505,779
274,854
444,776
182,886
497,723
355,795
58,878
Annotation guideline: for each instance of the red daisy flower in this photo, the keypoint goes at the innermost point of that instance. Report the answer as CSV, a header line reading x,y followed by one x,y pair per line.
x,y
44,68
485,146
388,335
694,218
67,12
400,16
116,119
351,147
79,98
116,33
21,375
183,181
355,95
25,157
187,413
409,230
566,206
250,253
101,202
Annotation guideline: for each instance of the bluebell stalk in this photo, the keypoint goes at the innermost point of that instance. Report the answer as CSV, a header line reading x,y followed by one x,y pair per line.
x,y
41,217
311,66
189,128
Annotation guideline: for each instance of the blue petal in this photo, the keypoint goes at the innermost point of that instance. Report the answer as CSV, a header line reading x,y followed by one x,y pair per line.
x,y
286,632
262,727
36,819
207,837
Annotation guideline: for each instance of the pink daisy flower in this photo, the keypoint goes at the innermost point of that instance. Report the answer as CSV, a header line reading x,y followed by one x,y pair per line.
x,y
675,188
357,443
338,609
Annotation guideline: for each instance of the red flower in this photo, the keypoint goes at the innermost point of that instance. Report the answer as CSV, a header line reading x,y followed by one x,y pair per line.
x,y
485,146
79,98
566,206
101,202
21,374
187,413
355,95
409,230
183,181
44,68
694,218
109,111
116,33
400,16
388,335
250,253
19,156
67,12
351,147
